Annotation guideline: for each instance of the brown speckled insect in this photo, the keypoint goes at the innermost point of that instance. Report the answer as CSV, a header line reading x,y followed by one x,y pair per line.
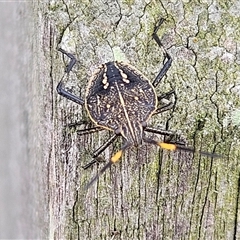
x,y
121,99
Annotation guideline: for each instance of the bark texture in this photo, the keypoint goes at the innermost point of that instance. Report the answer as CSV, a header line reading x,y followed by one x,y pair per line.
x,y
150,194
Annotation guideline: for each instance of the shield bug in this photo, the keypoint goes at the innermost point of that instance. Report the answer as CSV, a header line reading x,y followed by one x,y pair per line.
x,y
121,99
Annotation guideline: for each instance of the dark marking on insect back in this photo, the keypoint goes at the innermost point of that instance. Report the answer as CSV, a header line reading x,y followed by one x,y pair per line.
x,y
109,82
113,73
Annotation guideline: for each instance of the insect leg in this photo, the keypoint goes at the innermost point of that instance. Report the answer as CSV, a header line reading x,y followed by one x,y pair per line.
x,y
169,136
164,132
60,87
72,61
167,104
61,91
174,145
89,130
79,123
168,63
164,108
115,158
100,150
166,95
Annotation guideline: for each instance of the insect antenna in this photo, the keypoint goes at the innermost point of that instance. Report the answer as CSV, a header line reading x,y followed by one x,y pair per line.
x,y
173,146
190,149
99,174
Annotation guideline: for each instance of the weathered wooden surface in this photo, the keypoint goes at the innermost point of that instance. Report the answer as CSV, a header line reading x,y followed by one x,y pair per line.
x,y
150,194
24,122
